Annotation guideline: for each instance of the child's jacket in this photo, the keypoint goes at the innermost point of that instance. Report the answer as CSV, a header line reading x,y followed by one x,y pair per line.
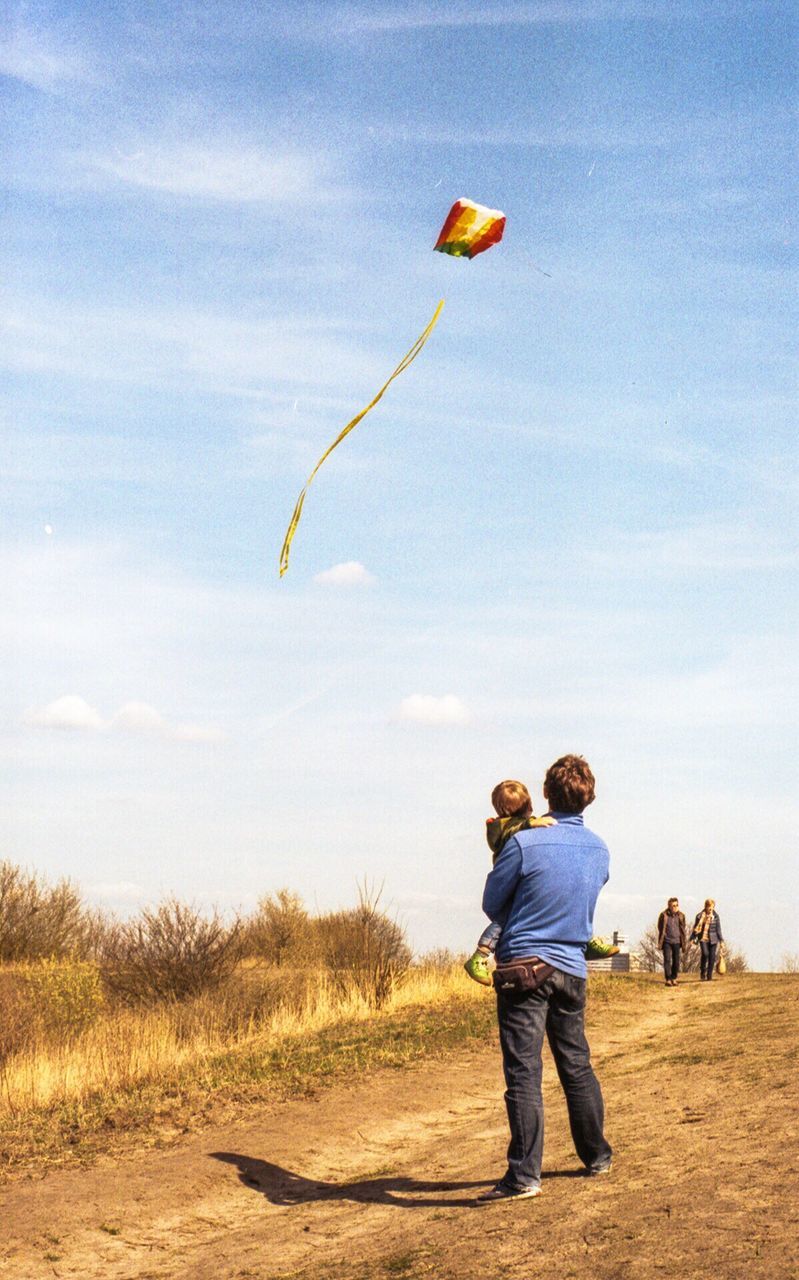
x,y
500,830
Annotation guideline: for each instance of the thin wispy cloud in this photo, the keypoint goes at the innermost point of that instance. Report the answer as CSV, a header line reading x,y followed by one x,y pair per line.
x,y
34,58
502,15
200,348
583,135
702,547
228,172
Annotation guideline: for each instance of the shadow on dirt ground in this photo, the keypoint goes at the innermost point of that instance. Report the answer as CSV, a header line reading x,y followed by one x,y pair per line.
x,y
281,1186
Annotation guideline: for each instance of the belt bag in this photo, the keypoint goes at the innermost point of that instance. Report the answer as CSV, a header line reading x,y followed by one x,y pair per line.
x,y
527,973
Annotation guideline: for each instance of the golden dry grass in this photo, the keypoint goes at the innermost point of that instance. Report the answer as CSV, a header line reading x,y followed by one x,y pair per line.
x,y
122,1048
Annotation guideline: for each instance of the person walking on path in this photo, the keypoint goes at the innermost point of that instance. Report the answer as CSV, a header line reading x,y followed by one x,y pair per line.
x,y
544,887
672,940
707,932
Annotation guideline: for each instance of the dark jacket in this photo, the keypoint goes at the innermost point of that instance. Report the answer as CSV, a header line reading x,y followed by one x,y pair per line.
x,y
714,933
663,921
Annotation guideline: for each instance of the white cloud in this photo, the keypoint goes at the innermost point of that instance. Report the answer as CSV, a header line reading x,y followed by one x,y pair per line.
x,y
74,712
139,717
218,171
422,708
69,712
30,57
351,573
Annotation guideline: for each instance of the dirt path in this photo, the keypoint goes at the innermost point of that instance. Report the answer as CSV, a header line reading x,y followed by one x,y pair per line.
x,y
378,1179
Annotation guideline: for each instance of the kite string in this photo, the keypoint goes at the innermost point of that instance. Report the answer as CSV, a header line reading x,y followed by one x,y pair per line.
x,y
406,360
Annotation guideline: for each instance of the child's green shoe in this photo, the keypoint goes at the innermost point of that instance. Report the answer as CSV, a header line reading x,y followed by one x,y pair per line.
x,y
599,949
477,967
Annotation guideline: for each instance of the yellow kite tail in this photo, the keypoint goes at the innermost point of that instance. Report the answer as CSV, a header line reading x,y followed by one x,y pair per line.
x,y
407,359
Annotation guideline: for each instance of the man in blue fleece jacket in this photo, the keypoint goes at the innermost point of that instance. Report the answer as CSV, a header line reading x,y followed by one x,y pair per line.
x,y
543,890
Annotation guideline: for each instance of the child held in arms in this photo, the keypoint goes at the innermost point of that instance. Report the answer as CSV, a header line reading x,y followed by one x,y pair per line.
x,y
514,810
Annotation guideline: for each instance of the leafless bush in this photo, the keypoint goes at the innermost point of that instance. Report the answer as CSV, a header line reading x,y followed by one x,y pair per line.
x,y
40,921
172,953
789,962
439,960
280,930
363,948
736,960
17,1030
651,956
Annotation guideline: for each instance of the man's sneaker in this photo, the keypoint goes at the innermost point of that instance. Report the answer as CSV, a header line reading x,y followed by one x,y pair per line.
x,y
503,1192
597,1170
599,949
477,967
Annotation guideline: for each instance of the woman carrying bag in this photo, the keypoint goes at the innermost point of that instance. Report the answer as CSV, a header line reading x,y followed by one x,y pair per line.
x,y
707,932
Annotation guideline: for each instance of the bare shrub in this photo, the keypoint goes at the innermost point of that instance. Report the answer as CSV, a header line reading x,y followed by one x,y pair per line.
x,y
17,1030
789,963
280,930
439,960
651,956
39,921
736,960
364,949
172,953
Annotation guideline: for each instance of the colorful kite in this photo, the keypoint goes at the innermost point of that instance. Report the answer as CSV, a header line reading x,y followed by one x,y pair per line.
x,y
407,359
470,229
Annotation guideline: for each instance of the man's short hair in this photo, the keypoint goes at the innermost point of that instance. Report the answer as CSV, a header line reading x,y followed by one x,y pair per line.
x,y
569,785
511,799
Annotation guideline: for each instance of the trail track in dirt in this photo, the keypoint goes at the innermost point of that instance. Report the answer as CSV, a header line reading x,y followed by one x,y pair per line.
x,y
378,1178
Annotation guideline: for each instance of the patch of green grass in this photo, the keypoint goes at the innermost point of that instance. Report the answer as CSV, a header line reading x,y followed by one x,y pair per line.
x,y
399,1265
409,1265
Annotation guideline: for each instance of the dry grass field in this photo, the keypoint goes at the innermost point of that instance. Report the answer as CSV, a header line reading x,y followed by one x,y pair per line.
x,y
373,1173
95,1079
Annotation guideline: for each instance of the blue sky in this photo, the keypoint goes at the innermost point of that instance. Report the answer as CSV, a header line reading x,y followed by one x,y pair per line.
x,y
570,526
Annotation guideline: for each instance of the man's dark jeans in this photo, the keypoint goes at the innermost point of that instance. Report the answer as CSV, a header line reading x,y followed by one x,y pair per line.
x,y
671,960
557,1008
707,962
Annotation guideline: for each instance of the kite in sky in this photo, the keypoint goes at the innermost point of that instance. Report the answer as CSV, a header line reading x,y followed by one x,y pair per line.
x,y
469,229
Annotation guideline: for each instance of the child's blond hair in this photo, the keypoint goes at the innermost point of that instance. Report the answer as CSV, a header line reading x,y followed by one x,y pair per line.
x,y
511,799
